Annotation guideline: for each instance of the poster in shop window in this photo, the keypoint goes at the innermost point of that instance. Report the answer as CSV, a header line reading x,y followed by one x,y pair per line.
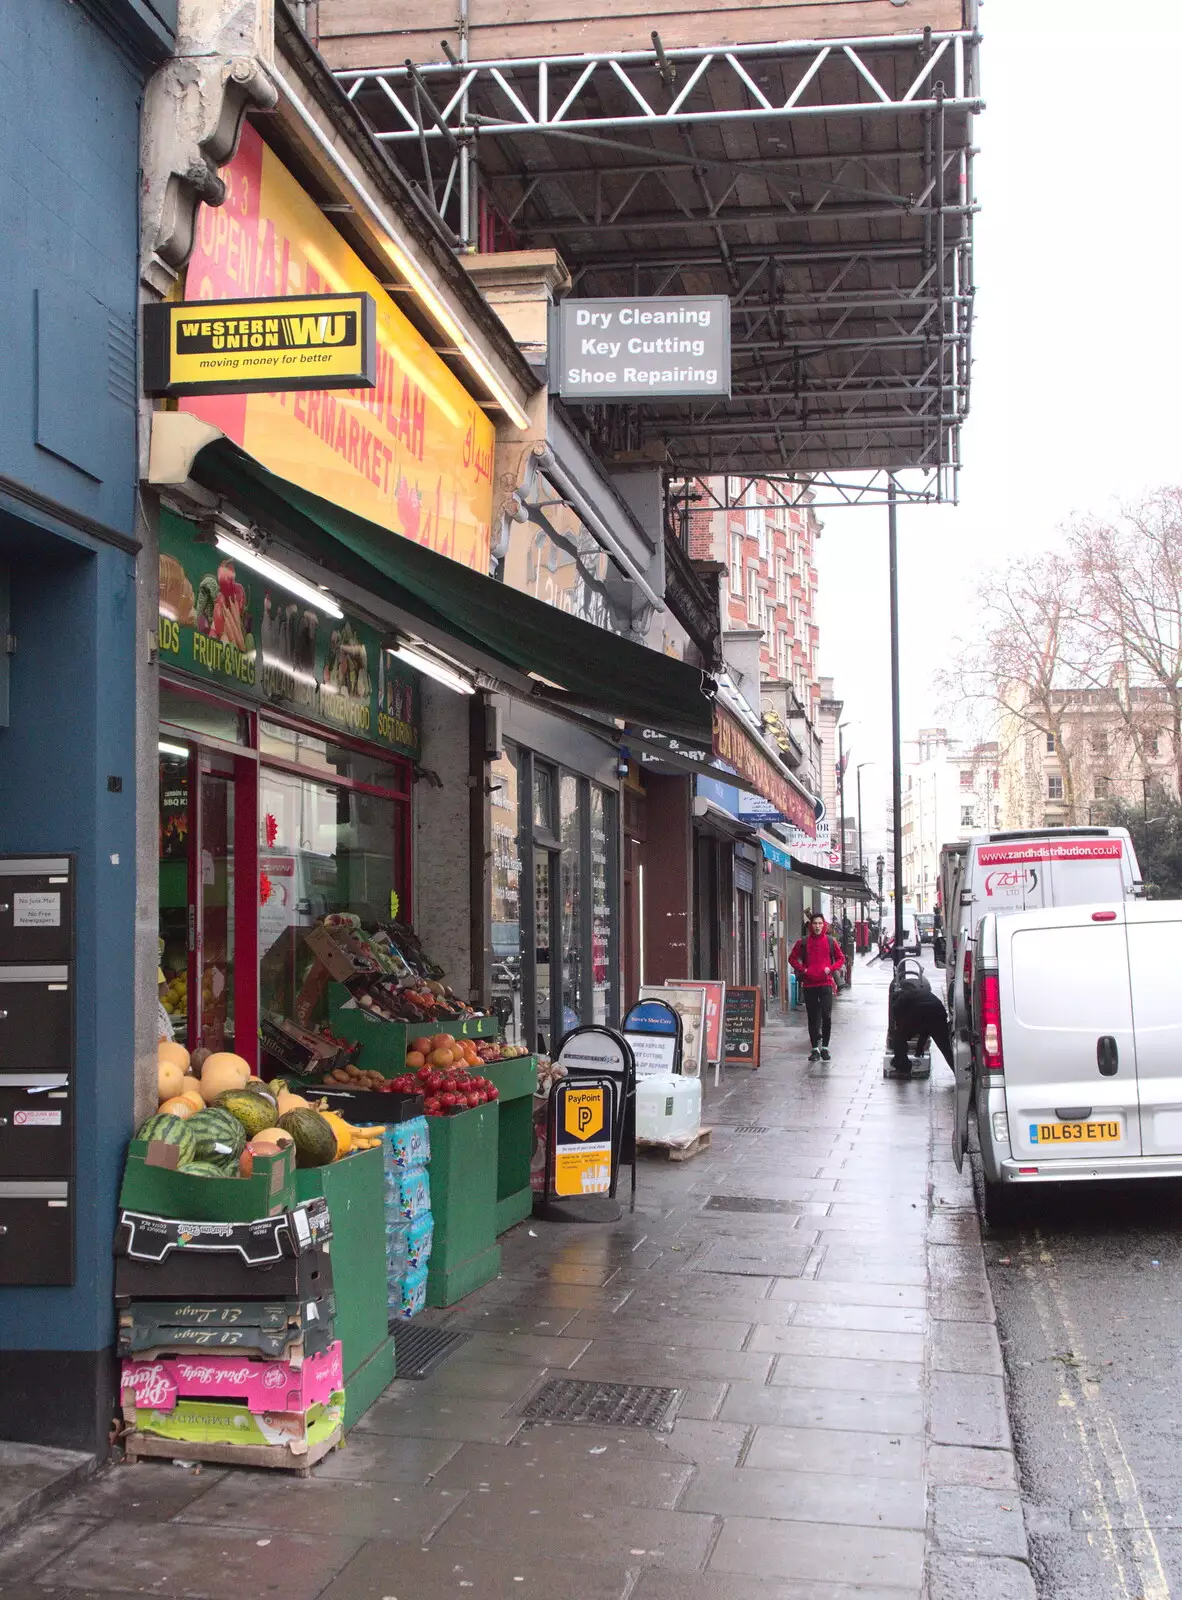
x,y
414,453
227,625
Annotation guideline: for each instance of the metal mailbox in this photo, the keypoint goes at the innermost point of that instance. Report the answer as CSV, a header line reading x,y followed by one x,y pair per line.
x,y
36,1020
37,908
36,1233
36,1125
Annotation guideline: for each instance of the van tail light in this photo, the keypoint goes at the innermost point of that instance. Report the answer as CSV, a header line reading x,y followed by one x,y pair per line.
x,y
991,1023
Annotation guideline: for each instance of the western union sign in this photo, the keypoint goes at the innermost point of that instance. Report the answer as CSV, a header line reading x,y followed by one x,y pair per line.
x,y
323,341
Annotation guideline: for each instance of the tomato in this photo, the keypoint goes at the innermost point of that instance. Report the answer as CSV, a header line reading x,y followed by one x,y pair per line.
x,y
494,1093
473,1100
447,1101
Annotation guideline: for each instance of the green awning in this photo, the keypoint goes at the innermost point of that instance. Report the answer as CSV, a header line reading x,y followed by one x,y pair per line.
x,y
594,668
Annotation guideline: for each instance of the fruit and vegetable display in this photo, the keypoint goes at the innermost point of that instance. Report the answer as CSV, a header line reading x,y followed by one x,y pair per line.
x,y
221,1120
549,1073
443,1070
385,970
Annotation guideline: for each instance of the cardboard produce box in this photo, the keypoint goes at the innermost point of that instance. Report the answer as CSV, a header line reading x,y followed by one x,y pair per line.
x,y
172,1192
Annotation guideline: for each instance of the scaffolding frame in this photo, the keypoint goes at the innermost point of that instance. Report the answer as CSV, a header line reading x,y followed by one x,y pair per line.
x,y
824,186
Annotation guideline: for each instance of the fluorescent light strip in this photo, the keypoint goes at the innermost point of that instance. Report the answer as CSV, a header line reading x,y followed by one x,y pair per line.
x,y
173,749
403,261
278,574
434,668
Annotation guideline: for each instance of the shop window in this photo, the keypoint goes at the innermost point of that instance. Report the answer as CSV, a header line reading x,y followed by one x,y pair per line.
x,y
543,799
322,848
603,877
504,780
319,755
572,902
197,713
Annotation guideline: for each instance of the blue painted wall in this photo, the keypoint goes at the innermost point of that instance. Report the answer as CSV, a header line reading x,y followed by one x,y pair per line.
x,y
71,86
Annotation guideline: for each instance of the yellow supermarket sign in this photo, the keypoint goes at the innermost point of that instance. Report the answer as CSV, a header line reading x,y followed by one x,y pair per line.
x,y
267,346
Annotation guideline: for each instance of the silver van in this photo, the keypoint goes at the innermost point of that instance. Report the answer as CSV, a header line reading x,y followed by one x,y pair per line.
x,y
1074,1066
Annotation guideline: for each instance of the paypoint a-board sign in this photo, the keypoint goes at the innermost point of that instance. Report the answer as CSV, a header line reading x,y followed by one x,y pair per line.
x,y
322,341
659,347
583,1139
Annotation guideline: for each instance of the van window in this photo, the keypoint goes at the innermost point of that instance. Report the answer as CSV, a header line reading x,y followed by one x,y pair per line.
x,y
1088,964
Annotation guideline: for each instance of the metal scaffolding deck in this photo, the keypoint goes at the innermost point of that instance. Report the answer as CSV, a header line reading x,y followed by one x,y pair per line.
x,y
825,186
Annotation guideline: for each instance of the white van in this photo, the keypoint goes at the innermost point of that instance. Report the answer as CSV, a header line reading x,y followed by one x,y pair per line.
x,y
1076,1067
1023,871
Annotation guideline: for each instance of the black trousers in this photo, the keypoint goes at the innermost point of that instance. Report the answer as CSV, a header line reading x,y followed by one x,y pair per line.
x,y
819,1005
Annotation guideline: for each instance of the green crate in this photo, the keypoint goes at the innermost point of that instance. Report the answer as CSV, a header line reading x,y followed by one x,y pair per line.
x,y
169,1192
369,1382
384,1044
464,1252
516,1081
355,1191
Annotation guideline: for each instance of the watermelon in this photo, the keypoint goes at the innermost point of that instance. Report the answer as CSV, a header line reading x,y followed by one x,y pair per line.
x,y
315,1142
219,1137
163,1128
207,1169
253,1111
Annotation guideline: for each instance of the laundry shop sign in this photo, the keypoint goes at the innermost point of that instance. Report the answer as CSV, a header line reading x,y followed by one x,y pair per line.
x,y
654,347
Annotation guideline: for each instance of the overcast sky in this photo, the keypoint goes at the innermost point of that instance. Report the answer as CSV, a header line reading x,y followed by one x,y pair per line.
x,y
1077,346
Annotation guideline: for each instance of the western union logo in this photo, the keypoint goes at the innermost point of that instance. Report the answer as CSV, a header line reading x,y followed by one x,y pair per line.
x,y
204,337
325,341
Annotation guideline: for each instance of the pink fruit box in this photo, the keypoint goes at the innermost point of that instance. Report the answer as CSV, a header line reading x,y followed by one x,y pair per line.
x,y
263,1385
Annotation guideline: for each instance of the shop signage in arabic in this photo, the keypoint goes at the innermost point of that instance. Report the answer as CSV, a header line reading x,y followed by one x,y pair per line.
x,y
652,345
739,751
322,341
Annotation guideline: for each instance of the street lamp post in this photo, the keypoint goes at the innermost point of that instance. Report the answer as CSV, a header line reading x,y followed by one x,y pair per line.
x,y
896,729
858,776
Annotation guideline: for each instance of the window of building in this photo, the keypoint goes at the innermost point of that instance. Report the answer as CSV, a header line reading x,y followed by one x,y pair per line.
x,y
996,778
966,778
1153,744
966,816
1050,744
1054,787
752,595
782,580
1103,788
737,566
1100,742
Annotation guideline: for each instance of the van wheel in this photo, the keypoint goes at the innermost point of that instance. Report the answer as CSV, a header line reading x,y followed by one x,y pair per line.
x,y
1001,1205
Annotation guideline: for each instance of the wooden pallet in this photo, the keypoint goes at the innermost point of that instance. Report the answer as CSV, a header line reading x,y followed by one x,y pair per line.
x,y
145,1446
673,1152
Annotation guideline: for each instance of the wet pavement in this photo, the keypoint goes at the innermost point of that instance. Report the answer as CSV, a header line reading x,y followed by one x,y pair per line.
x,y
813,1288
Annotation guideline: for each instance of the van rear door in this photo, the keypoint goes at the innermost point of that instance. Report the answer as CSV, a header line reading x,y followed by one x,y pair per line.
x,y
1154,931
1067,1035
1086,871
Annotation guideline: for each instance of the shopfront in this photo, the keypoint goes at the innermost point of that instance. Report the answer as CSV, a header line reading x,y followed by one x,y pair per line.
x,y
285,790
555,880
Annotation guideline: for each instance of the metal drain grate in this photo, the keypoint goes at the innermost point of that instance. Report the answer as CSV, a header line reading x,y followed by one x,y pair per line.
x,y
751,1127
419,1350
605,1405
750,1204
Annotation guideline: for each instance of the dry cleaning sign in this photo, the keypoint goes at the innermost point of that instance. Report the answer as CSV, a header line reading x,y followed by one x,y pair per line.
x,y
323,341
655,346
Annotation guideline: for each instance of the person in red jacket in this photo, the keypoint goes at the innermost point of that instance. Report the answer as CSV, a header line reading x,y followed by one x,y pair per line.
x,y
817,959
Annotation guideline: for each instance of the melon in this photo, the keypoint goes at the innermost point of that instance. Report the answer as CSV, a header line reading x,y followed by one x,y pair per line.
x,y
179,1105
315,1142
170,1079
254,1111
291,1102
221,1073
166,1129
207,1169
270,1142
172,1052
218,1136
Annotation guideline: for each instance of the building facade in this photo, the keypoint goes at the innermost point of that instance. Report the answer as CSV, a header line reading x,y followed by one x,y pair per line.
x,y
1065,763
950,791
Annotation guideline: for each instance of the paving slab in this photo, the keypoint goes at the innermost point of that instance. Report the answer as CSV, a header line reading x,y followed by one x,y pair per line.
x,y
214,1563
851,1343
823,1450
823,1372
567,1530
268,1500
534,1465
863,1501
390,1571
967,1578
978,1522
823,1408
33,1475
728,1586
890,1557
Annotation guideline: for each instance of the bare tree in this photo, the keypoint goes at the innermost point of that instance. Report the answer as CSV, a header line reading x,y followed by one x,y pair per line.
x,y
1128,588
1027,650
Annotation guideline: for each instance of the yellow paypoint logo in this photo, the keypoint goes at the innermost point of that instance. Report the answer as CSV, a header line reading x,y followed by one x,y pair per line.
x,y
583,1112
